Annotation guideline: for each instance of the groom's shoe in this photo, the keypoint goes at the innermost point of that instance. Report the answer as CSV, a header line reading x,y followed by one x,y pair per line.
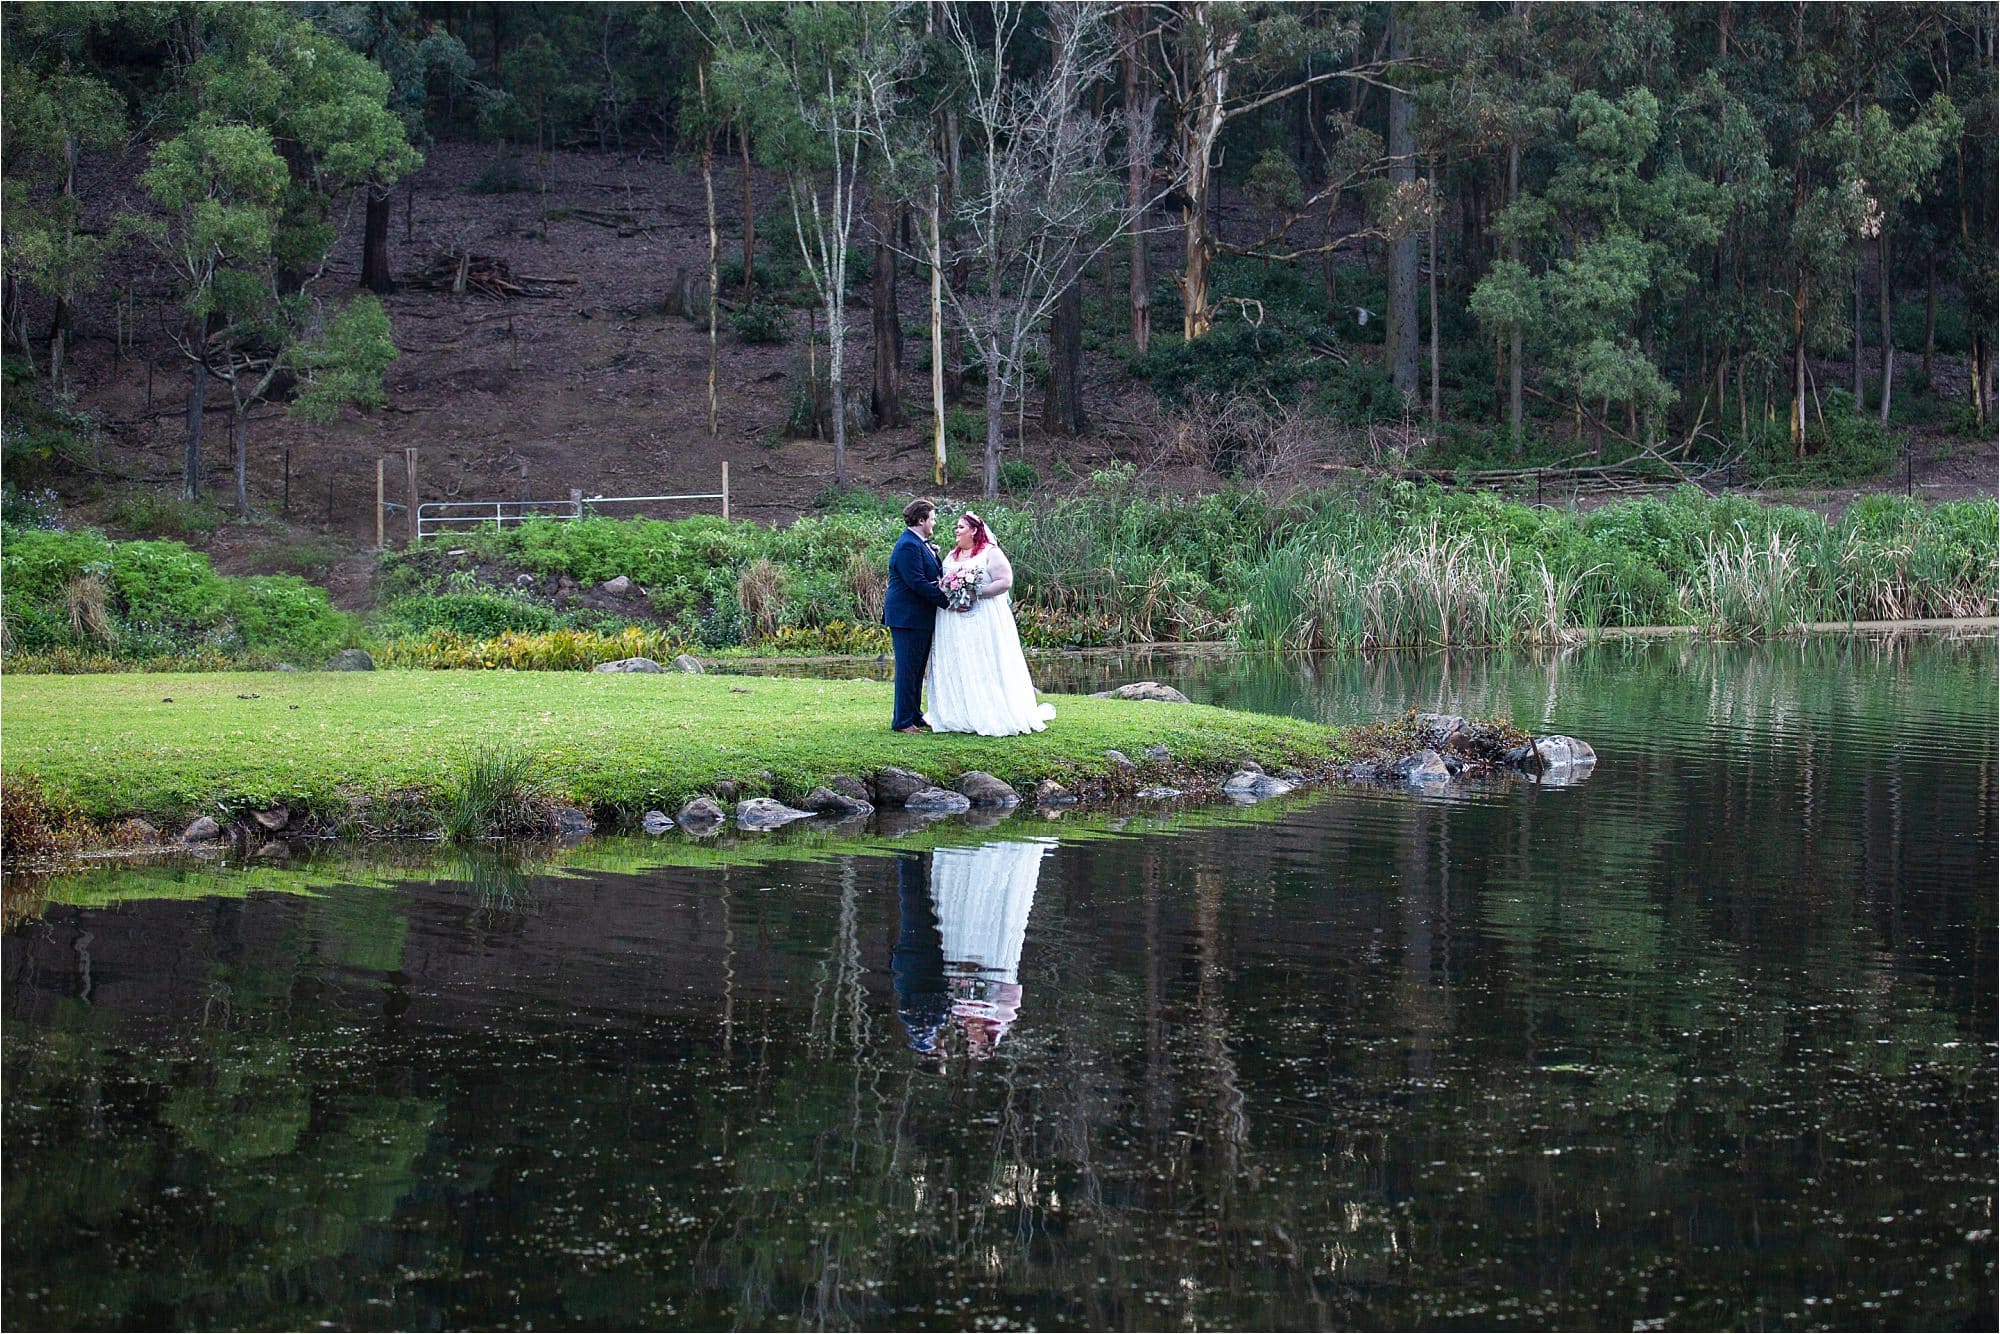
x,y
914,727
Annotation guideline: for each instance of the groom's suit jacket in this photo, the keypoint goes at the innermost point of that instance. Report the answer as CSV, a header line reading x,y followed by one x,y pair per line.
x,y
911,600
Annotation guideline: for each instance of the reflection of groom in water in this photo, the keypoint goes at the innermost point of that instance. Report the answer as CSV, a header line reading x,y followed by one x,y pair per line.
x,y
917,964
910,605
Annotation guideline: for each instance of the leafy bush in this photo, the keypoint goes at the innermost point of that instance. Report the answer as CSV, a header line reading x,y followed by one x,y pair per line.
x,y
1840,447
1017,475
475,615
761,322
163,514
501,176
29,509
284,613
551,651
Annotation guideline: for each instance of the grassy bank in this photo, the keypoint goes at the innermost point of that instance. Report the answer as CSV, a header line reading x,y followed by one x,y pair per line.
x,y
393,751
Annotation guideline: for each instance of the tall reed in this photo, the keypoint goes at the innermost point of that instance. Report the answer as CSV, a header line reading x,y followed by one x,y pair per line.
x,y
1746,588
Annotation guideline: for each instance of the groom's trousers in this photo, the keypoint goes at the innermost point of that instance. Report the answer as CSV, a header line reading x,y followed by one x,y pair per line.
x,y
913,655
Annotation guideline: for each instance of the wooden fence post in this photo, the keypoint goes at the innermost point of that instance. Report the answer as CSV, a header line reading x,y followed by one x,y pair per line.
x,y
410,478
725,489
379,462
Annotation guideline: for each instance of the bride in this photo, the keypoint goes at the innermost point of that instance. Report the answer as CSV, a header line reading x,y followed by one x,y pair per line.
x,y
978,679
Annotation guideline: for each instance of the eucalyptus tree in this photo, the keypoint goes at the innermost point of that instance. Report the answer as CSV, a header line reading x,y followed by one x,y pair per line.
x,y
271,119
1037,194
55,106
416,54
815,81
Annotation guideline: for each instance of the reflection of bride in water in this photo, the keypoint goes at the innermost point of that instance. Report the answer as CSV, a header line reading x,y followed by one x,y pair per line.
x,y
981,897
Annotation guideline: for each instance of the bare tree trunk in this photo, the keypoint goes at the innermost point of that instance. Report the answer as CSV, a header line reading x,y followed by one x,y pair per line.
x,y
1197,149
1860,396
1437,398
1519,441
196,411
239,441
1930,309
996,388
1138,154
375,243
1400,347
1062,410
1882,300
885,399
937,340
714,244
749,213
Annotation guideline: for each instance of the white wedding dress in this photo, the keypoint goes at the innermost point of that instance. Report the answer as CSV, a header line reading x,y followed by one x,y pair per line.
x,y
978,677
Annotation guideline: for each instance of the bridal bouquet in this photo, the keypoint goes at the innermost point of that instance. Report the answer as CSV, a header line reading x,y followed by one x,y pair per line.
x,y
961,587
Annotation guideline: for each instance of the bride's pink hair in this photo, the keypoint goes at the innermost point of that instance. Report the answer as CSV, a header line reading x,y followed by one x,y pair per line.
x,y
981,539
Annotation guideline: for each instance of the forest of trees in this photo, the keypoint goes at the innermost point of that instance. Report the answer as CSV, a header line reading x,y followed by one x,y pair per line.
x,y
1691,226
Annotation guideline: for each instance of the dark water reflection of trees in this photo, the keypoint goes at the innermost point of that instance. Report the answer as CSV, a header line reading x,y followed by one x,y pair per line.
x,y
1705,1041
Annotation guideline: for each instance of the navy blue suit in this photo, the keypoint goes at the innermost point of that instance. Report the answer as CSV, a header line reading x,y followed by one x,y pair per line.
x,y
910,605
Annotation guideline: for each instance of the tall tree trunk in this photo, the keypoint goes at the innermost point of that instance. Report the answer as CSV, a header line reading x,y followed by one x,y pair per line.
x,y
375,243
1518,441
1197,150
1138,155
196,410
996,389
1062,410
714,245
1437,397
1882,298
749,212
1400,347
937,340
1860,397
239,448
1930,309
885,398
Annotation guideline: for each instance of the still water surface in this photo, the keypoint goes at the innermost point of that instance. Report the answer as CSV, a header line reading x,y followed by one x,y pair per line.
x,y
1705,1041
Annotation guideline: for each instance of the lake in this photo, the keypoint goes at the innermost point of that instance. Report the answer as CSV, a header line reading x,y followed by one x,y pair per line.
x,y
1706,1040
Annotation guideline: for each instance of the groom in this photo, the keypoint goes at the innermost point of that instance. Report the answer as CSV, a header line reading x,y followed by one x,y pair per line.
x,y
909,609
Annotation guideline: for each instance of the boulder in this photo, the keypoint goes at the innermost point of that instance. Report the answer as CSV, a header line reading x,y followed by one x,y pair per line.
x,y
764,813
1246,786
688,663
1119,762
937,799
983,789
203,830
1437,729
351,660
725,789
1249,766
617,587
656,822
628,665
1426,766
1159,793
826,801
852,788
700,816
1049,792
134,833
274,849
273,820
1159,755
570,821
1150,690
893,786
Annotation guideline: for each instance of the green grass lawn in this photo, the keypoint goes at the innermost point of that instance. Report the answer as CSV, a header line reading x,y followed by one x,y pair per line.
x,y
174,746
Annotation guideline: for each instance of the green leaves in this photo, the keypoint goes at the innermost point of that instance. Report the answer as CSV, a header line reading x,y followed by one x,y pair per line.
x,y
343,361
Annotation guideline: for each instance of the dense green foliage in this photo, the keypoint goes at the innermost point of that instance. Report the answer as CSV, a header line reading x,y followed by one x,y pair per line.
x,y
80,593
1393,564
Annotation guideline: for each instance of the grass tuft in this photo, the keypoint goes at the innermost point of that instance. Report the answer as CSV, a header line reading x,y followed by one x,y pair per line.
x,y
497,796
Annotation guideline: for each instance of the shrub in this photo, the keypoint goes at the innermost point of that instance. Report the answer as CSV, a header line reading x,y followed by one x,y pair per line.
x,y
285,614
761,322
37,823
474,615
163,514
550,651
496,795
501,176
1018,475
1840,447
29,509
